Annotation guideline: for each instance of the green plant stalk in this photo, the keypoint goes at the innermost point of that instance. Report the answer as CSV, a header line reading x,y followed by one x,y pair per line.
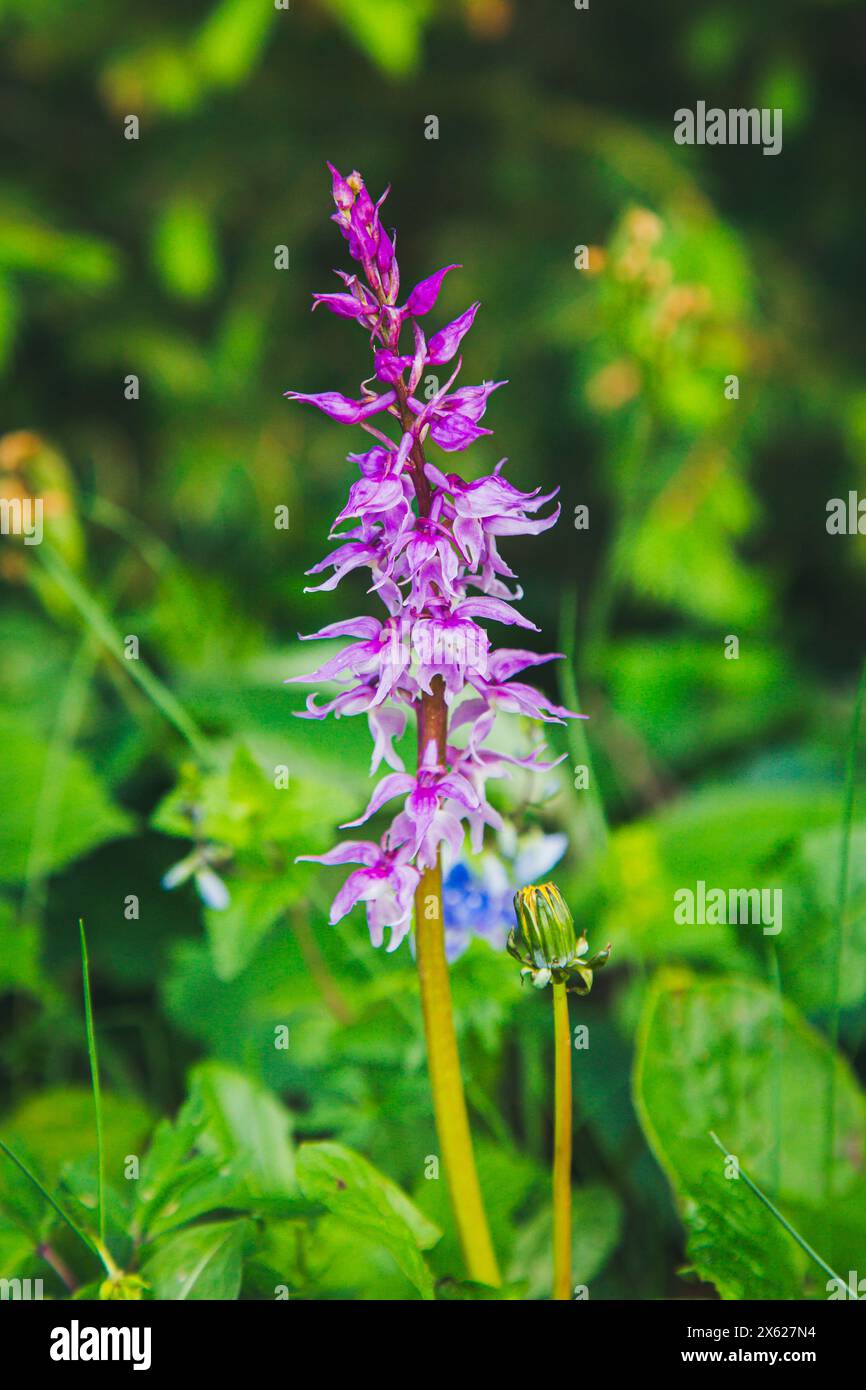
x,y
840,940
94,1078
443,1058
561,1146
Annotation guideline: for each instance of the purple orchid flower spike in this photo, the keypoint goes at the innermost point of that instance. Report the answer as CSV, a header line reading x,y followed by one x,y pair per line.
x,y
429,541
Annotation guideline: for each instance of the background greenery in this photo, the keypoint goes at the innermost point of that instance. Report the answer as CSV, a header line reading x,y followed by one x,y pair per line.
x,y
707,518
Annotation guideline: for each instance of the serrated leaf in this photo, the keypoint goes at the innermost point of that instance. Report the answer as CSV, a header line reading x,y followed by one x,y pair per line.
x,y
729,1056
735,1244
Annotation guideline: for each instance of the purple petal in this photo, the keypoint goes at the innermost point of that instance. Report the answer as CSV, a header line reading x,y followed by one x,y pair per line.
x,y
507,661
426,292
496,609
365,626
345,306
444,344
349,852
455,432
340,190
395,784
340,408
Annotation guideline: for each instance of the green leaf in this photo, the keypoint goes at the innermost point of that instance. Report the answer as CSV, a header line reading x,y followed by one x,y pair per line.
x,y
57,1127
178,1184
806,945
31,246
390,35
231,40
596,1228
242,1119
733,837
235,932
19,953
53,1131
736,1245
203,1262
16,1250
729,1056
262,827
84,815
365,1200
185,249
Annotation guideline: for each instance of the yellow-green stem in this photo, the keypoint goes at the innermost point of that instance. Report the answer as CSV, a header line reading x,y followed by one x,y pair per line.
x,y
446,1084
443,1059
561,1147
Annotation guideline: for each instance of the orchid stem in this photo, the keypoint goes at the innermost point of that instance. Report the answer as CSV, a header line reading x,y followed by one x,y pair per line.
x,y
443,1058
562,1147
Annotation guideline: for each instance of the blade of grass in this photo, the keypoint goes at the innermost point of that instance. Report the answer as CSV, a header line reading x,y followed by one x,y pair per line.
x,y
160,695
94,1081
52,1202
774,1211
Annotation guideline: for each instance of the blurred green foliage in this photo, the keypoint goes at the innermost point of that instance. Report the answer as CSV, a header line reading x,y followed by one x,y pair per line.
x,y
301,1165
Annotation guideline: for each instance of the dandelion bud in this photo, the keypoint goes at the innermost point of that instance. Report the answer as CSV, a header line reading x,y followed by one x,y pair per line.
x,y
545,927
546,943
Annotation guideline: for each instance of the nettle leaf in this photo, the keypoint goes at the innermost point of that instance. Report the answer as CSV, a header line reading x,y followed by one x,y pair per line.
x,y
83,814
735,1244
202,1262
364,1199
730,1056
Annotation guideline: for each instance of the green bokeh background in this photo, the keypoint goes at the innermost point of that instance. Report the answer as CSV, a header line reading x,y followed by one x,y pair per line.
x,y
707,520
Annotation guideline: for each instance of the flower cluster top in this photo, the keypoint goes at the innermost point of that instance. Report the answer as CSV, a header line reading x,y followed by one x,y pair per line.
x,y
429,540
